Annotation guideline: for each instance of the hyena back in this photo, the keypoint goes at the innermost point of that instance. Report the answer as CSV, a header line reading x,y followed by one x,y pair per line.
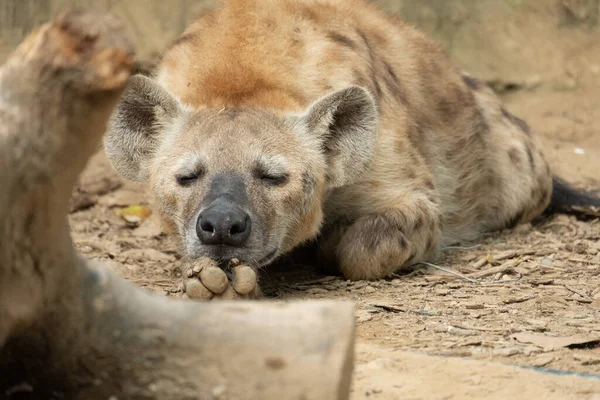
x,y
270,123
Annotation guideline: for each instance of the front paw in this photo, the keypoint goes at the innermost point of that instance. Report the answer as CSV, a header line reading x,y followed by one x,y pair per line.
x,y
204,281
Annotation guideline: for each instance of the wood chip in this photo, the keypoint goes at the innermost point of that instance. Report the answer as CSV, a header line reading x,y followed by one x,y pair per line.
x,y
514,300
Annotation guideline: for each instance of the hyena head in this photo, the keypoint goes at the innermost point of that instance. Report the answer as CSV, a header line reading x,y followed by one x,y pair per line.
x,y
240,183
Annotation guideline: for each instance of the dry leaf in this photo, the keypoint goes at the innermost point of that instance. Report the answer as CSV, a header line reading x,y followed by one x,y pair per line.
x,y
134,214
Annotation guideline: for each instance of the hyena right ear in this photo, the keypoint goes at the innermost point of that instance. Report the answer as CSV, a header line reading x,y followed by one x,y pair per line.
x,y
135,125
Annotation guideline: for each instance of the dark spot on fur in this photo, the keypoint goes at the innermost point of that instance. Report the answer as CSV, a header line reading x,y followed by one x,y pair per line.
x,y
373,60
514,221
545,198
308,183
182,39
232,113
429,184
28,226
416,136
430,245
530,156
342,39
364,38
275,363
472,83
481,126
402,242
393,83
378,90
418,223
514,155
447,109
522,125
379,228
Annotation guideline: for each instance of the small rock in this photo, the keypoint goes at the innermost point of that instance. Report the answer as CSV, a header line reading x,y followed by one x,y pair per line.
x,y
473,306
218,392
546,262
507,351
542,361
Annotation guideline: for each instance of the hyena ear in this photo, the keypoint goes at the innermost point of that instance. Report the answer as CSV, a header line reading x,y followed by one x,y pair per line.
x,y
345,126
135,125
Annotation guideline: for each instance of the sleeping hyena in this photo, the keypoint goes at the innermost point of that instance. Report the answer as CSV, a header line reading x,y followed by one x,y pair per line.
x,y
270,123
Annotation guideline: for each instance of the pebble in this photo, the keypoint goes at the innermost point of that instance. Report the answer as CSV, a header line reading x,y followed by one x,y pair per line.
x,y
507,351
474,306
547,262
542,361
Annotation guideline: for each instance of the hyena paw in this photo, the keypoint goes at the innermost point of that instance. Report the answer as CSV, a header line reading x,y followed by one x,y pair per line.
x,y
204,281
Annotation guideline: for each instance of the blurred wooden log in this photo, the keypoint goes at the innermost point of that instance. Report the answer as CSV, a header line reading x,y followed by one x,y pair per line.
x,y
69,327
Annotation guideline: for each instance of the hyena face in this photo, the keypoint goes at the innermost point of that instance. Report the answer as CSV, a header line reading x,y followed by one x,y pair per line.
x,y
241,183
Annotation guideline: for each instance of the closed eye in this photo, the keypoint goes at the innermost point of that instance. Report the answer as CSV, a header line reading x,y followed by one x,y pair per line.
x,y
274,179
186,180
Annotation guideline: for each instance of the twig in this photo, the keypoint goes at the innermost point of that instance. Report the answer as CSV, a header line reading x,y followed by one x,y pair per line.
x,y
475,328
461,247
506,267
549,266
451,272
469,279
584,295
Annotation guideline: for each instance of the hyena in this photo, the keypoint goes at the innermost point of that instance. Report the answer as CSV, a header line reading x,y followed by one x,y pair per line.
x,y
272,123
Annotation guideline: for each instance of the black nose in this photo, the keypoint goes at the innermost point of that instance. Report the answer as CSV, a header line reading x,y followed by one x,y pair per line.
x,y
223,223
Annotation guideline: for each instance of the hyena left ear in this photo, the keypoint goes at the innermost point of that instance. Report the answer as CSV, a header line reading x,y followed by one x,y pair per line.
x,y
345,126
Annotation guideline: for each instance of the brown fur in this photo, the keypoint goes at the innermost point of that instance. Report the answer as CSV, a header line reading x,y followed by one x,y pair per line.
x,y
449,161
